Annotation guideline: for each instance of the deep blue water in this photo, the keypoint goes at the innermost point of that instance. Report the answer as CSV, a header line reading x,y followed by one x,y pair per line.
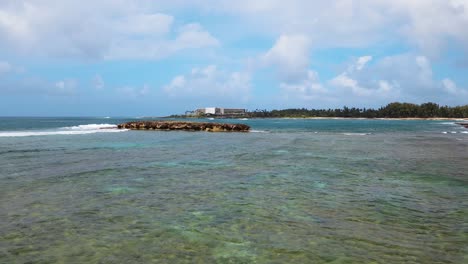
x,y
290,191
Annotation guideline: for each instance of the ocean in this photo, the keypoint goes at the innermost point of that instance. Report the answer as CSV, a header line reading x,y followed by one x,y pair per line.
x,y
290,191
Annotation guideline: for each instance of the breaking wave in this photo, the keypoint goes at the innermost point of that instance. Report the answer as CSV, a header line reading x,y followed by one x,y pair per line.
x,y
73,130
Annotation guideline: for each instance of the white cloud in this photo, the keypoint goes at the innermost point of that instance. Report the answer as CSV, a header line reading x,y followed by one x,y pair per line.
x,y
427,25
385,86
349,80
74,28
451,88
403,77
412,73
307,89
290,54
105,29
191,36
211,82
336,22
131,29
194,36
343,80
362,61
352,85
145,24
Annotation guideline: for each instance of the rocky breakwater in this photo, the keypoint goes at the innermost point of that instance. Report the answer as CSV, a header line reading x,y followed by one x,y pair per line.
x,y
186,126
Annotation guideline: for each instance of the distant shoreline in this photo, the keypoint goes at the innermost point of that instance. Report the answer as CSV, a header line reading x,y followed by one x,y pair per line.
x,y
328,118
392,111
383,118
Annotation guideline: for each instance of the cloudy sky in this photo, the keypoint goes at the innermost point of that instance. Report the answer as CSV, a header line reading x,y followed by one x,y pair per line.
x,y
142,57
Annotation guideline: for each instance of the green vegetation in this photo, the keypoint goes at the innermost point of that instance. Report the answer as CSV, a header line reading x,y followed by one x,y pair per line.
x,y
392,110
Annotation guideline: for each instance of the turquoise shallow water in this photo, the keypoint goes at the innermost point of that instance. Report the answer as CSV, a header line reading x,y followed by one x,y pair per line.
x,y
292,191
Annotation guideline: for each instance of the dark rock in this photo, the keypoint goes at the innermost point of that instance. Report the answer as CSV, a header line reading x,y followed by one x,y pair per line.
x,y
463,124
186,126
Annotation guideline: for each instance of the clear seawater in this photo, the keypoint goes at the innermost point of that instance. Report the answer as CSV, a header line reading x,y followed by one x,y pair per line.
x,y
291,191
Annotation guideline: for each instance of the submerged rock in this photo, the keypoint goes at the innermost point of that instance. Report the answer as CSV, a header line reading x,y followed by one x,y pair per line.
x,y
181,125
463,124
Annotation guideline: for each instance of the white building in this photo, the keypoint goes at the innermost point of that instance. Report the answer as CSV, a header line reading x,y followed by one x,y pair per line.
x,y
220,111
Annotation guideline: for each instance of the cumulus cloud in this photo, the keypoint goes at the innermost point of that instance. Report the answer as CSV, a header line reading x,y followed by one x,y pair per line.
x,y
210,82
413,73
290,54
429,26
105,29
131,29
73,28
432,25
308,89
348,80
190,36
404,77
343,80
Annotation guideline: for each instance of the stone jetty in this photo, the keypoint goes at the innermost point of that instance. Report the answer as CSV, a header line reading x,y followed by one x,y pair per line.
x,y
186,126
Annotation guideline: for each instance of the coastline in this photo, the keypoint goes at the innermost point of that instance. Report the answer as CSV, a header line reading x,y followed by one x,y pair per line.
x,y
331,118
383,118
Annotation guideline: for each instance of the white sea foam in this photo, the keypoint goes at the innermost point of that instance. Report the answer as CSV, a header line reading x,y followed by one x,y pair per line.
x,y
356,134
90,127
445,123
74,130
258,131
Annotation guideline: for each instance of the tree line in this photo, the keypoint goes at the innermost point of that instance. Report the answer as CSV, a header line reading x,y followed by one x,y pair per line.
x,y
392,110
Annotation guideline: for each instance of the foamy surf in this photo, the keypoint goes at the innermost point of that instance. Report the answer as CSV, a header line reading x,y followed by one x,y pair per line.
x,y
455,132
73,130
356,134
445,123
90,127
258,131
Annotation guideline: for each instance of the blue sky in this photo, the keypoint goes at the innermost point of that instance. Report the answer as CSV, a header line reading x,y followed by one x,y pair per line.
x,y
141,57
